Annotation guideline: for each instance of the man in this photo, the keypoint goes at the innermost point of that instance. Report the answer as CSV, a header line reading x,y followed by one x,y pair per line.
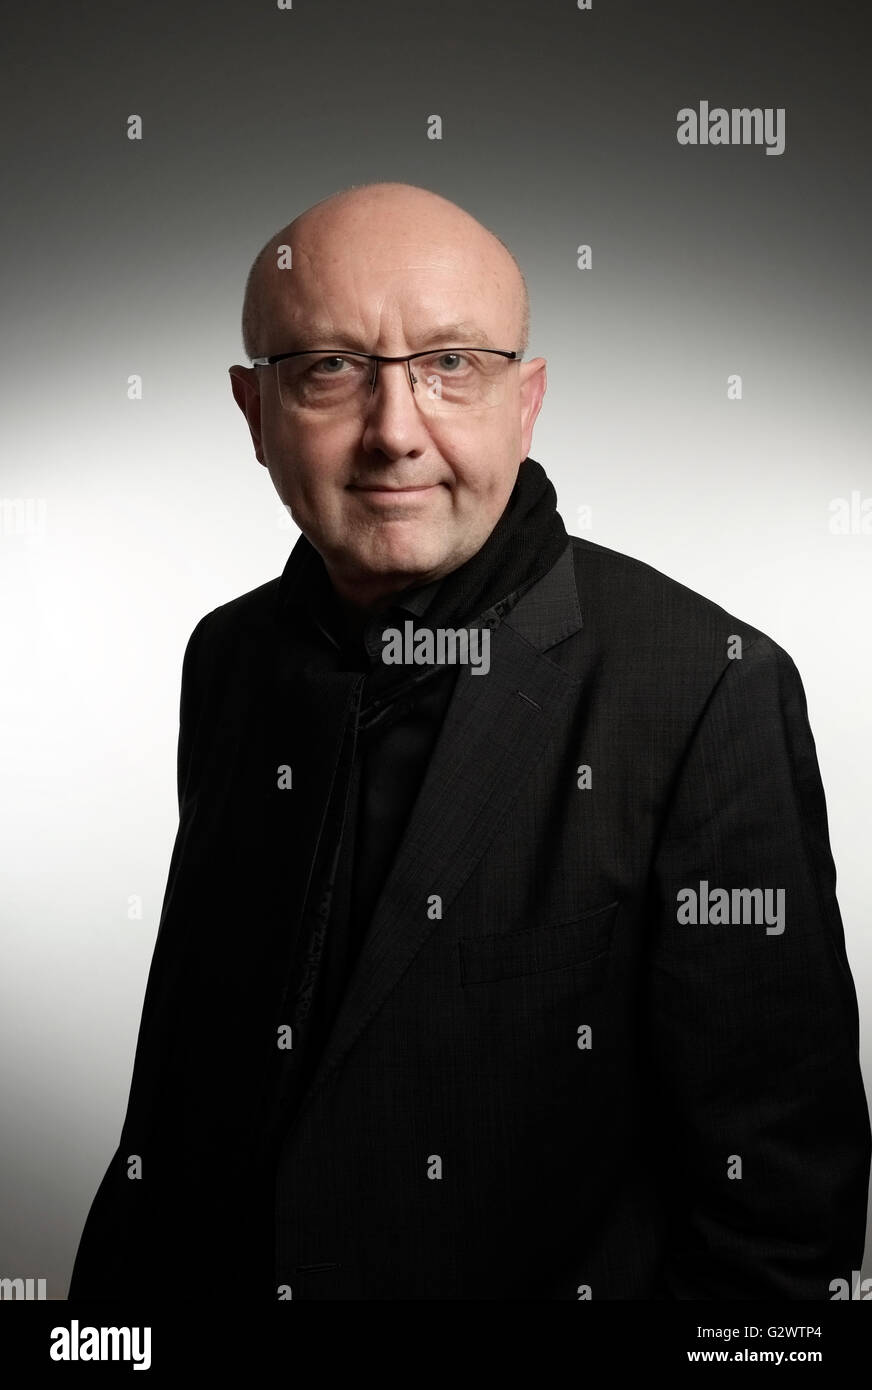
x,y
509,967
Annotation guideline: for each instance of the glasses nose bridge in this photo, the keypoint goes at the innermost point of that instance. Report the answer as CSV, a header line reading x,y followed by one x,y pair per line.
x,y
391,362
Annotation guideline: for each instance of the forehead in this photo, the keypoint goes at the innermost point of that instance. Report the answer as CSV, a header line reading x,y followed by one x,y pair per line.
x,y
384,293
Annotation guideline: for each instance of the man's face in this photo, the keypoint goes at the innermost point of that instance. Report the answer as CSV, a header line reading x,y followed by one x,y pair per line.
x,y
393,495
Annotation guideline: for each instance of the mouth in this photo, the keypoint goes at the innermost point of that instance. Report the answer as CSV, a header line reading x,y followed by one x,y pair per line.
x,y
377,492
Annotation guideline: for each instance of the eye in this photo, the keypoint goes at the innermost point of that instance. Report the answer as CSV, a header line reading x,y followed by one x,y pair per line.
x,y
323,362
454,360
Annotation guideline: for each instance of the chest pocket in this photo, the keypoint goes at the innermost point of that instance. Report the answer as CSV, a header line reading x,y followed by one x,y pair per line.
x,y
583,940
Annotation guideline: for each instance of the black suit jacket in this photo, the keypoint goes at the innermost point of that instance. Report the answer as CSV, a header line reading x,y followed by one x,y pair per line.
x,y
544,1082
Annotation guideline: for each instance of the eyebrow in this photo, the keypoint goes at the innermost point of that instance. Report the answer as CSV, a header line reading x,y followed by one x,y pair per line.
x,y
462,334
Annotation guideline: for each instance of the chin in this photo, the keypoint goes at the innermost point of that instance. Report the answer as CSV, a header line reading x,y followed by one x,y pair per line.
x,y
399,563
408,554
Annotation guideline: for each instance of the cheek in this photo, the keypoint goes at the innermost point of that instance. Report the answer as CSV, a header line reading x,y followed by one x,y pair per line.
x,y
486,470
480,453
310,462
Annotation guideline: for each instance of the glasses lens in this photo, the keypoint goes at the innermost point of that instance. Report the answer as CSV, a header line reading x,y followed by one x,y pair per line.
x,y
324,381
445,382
455,379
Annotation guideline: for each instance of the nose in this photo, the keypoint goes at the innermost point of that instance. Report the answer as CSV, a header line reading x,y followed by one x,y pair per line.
x,y
393,423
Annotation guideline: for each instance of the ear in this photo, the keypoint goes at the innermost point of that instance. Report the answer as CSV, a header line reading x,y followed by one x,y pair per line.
x,y
532,387
245,385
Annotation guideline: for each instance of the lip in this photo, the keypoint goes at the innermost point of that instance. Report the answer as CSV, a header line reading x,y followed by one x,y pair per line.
x,y
396,491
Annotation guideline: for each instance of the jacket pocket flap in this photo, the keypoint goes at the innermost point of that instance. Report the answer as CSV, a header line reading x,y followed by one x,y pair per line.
x,y
501,955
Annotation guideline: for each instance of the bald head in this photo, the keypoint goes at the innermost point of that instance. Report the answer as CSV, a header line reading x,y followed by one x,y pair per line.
x,y
379,226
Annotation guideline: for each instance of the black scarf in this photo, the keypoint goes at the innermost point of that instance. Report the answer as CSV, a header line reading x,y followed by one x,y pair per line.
x,y
526,541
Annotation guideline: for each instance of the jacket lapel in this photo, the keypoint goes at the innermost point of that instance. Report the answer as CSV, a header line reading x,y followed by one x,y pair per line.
x,y
494,731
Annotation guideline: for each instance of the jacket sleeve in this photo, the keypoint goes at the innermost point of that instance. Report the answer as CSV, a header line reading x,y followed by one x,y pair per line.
x,y
759,1118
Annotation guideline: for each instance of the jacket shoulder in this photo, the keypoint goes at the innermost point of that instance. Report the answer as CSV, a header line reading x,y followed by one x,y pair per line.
x,y
612,583
254,604
229,636
246,613
658,632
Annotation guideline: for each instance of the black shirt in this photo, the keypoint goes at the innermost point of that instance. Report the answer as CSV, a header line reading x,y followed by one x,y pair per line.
x,y
386,748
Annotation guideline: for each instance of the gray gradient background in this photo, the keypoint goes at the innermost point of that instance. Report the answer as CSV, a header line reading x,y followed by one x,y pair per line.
x,y
121,257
